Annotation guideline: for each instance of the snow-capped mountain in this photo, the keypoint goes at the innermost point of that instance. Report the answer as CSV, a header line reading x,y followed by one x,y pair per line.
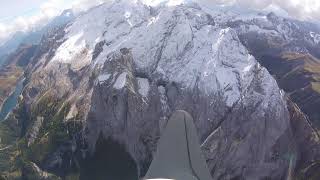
x,y
118,72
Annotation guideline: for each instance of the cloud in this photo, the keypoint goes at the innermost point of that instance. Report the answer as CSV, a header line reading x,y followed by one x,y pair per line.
x,y
83,5
47,11
300,9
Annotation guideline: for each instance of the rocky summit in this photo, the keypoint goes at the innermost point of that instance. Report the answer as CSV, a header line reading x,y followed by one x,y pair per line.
x,y
108,82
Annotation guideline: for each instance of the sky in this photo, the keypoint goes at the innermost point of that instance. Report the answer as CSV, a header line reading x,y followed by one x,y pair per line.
x,y
25,15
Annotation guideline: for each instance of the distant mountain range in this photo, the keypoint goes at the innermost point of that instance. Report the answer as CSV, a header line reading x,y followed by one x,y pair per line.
x,y
32,37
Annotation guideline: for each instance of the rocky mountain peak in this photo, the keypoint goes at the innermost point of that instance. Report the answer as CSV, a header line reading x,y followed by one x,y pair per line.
x,y
146,62
161,44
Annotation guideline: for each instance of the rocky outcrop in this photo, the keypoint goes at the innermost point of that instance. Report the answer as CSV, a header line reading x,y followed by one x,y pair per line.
x,y
307,140
34,172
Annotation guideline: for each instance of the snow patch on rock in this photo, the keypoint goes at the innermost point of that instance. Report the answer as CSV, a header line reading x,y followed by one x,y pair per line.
x,y
144,86
103,78
315,36
121,81
70,48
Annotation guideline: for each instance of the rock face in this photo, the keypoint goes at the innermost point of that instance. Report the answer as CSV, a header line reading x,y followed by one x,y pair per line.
x,y
289,49
122,68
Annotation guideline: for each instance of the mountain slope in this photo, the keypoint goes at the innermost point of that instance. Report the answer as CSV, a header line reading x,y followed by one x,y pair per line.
x,y
289,49
113,77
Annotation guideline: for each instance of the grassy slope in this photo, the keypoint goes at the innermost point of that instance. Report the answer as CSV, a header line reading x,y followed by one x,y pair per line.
x,y
303,83
9,134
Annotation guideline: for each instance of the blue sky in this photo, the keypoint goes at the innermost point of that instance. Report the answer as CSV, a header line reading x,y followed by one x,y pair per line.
x,y
12,9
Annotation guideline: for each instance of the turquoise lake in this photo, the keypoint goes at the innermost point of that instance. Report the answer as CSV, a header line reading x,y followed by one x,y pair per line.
x,y
11,102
